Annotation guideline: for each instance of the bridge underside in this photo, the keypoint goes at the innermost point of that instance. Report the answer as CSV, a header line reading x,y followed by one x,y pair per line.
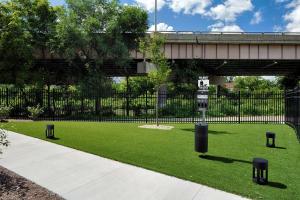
x,y
251,67
218,67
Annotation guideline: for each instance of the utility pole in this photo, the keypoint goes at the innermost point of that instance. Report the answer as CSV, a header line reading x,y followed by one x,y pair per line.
x,y
155,16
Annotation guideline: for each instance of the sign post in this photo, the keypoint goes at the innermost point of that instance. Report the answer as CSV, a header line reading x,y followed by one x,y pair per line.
x,y
201,128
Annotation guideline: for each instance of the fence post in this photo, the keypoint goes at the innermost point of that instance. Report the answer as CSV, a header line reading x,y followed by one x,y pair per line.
x,y
48,101
193,111
146,107
97,104
239,107
284,104
127,104
53,104
7,97
127,96
81,98
100,112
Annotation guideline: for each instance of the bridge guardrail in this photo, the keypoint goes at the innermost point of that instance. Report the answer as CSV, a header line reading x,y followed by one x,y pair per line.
x,y
225,33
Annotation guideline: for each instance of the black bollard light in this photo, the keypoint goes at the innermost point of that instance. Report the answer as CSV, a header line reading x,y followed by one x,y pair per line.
x,y
270,135
50,131
260,171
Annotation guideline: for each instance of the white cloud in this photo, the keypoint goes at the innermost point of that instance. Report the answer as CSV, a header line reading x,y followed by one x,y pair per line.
x,y
149,5
161,27
281,1
293,3
257,18
221,27
230,10
277,28
225,13
293,16
189,6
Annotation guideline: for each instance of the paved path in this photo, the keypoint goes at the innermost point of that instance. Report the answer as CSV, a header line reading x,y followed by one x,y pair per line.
x,y
77,175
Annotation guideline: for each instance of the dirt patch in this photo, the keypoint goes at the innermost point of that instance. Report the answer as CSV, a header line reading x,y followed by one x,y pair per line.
x,y
13,186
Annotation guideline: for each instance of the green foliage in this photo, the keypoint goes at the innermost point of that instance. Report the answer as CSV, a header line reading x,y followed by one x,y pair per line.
x,y
185,75
86,32
25,26
137,105
3,140
136,85
4,112
287,82
133,20
35,112
254,83
178,108
151,46
92,31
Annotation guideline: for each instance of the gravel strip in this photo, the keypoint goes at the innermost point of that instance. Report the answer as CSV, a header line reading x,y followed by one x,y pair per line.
x,y
13,187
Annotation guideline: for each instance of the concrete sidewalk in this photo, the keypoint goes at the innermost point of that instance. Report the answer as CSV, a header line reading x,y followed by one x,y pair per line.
x,y
77,175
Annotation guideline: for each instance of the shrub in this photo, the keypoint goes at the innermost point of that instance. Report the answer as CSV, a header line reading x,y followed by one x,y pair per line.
x,y
178,108
35,112
3,140
228,109
4,112
107,111
19,110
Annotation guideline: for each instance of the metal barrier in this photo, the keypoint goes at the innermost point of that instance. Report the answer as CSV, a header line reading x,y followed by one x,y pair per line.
x,y
232,107
292,109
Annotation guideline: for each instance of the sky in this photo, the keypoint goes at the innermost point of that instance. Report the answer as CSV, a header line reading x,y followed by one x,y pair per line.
x,y
221,15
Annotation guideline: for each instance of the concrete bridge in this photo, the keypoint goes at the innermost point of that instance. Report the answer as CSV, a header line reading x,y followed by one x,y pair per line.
x,y
225,54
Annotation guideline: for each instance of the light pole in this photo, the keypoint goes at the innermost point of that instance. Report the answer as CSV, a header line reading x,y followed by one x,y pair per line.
x,y
155,16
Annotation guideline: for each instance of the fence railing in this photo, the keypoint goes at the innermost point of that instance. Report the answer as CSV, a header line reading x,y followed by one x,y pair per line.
x,y
292,109
233,107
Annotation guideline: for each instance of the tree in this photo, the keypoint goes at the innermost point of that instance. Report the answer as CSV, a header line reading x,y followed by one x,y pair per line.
x,y
91,32
151,46
254,83
42,21
287,82
185,74
15,50
25,26
136,85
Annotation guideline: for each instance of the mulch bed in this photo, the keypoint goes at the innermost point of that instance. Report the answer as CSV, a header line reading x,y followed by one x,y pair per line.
x,y
15,187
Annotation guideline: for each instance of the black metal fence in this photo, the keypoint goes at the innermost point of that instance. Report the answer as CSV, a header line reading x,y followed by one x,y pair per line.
x,y
59,104
292,109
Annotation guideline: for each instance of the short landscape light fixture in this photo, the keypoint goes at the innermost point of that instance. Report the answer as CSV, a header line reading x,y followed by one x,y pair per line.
x,y
270,135
260,171
50,131
222,65
270,65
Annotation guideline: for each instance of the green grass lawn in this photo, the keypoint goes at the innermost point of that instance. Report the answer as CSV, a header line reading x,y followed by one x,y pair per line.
x,y
228,166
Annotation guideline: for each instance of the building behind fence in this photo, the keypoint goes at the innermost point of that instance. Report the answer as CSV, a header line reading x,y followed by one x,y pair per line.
x,y
59,104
